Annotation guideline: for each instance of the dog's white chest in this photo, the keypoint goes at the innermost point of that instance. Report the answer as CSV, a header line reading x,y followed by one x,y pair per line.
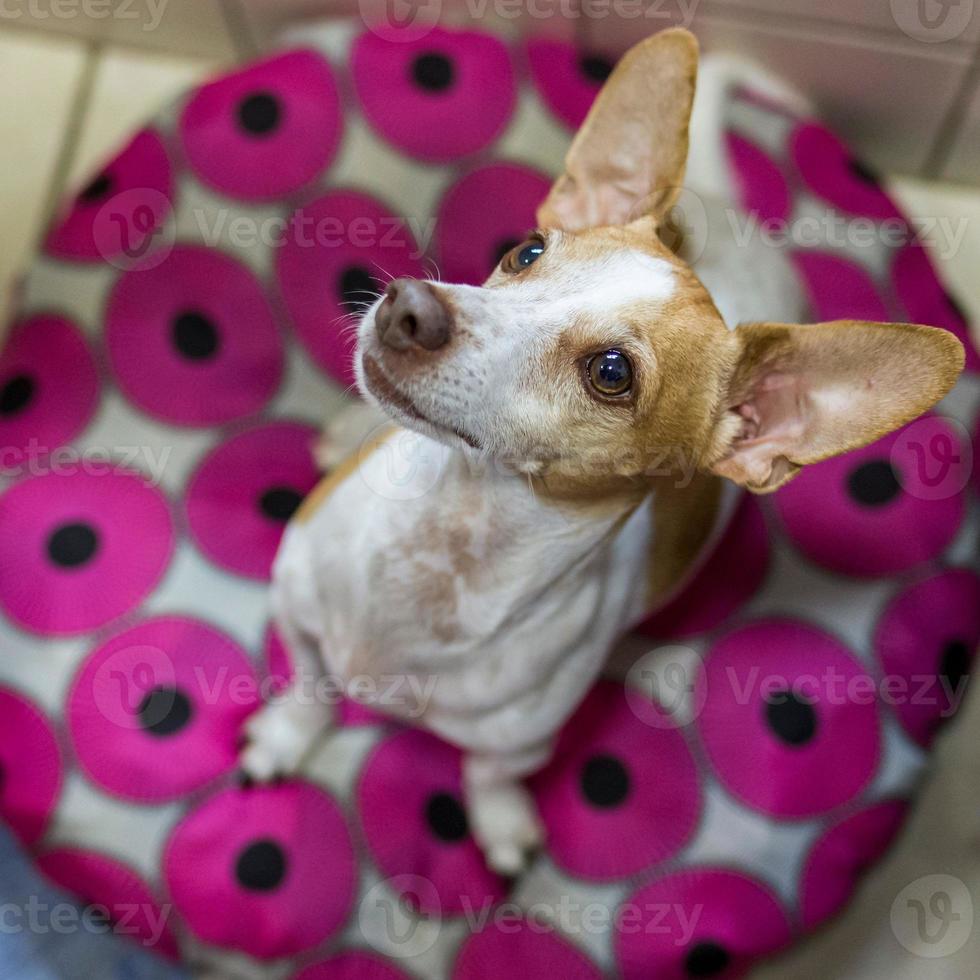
x,y
435,594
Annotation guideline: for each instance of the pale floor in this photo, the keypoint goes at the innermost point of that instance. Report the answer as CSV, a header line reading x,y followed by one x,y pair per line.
x,y
68,103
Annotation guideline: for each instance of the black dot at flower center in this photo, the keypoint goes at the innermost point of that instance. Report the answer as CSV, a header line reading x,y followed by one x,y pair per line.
x,y
446,817
706,959
164,711
280,503
96,189
595,68
72,545
874,483
955,663
261,866
791,718
194,336
16,394
357,287
433,72
259,114
863,172
604,781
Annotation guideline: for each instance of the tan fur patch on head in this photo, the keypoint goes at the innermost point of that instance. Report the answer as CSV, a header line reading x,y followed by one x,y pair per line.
x,y
682,356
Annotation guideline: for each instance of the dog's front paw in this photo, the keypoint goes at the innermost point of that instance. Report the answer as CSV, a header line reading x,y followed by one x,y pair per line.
x,y
505,824
278,740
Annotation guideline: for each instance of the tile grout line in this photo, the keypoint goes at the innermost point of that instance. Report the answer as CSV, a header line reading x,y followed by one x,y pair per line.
x,y
952,122
808,27
239,29
73,129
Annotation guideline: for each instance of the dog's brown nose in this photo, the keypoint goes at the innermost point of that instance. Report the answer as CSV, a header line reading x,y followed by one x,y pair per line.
x,y
412,316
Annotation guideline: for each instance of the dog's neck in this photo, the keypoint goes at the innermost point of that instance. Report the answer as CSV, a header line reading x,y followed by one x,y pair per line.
x,y
540,512
555,523
512,535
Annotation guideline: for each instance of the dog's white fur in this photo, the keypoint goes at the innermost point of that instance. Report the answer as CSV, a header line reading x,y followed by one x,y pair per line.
x,y
436,558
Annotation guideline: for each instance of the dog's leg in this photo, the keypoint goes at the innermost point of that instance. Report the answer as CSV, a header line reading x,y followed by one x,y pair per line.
x,y
503,818
282,733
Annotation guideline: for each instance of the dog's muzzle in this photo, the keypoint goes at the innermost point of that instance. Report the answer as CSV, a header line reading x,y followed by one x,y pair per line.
x,y
412,317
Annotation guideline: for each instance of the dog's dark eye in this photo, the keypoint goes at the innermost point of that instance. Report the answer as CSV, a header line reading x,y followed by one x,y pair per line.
x,y
522,255
610,373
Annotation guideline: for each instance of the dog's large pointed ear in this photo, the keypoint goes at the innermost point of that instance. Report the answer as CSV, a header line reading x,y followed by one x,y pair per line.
x,y
799,394
627,160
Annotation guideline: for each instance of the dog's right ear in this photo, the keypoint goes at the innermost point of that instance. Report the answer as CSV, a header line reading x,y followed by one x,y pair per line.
x,y
627,160
800,394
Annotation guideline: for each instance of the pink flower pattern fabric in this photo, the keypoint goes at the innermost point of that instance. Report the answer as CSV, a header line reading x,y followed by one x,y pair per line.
x,y
117,215
438,98
266,131
157,435
49,387
193,340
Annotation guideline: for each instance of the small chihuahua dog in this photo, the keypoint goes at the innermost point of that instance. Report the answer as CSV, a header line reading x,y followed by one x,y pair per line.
x,y
580,417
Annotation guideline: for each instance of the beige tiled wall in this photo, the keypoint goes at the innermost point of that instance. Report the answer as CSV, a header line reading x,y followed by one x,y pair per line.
x,y
76,76
39,111
897,77
188,27
893,85
127,87
963,160
887,95
895,17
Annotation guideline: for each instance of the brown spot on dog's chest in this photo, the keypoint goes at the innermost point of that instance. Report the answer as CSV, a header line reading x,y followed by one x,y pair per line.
x,y
436,601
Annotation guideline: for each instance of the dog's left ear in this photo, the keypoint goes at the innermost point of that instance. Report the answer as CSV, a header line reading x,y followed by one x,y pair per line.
x,y
627,160
799,394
